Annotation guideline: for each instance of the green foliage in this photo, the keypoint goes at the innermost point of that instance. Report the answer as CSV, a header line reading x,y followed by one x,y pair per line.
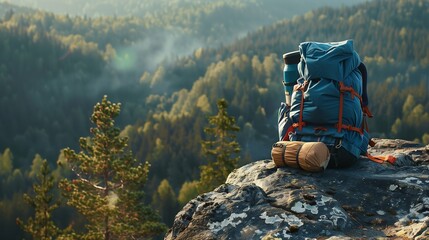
x,y
10,208
414,121
37,164
14,182
425,138
109,181
164,200
375,27
53,68
188,191
6,159
41,225
221,147
195,18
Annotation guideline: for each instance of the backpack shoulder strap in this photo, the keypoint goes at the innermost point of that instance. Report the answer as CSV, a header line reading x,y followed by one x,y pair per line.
x,y
365,101
364,73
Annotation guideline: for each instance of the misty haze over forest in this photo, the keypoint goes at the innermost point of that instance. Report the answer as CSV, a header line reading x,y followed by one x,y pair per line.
x,y
168,62
172,41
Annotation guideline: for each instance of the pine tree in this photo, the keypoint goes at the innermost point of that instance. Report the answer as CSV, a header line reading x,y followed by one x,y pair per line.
x,y
6,162
108,186
221,147
41,226
165,201
187,192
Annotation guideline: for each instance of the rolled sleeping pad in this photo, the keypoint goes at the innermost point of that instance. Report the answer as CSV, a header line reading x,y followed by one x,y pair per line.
x,y
308,156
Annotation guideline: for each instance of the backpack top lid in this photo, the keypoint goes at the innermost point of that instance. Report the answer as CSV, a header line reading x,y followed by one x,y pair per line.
x,y
334,60
292,57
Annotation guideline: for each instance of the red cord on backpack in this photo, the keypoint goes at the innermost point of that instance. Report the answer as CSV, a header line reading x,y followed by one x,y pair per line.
x,y
381,159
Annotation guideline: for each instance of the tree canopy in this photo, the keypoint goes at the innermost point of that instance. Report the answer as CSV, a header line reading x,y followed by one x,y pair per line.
x,y
108,186
221,148
53,67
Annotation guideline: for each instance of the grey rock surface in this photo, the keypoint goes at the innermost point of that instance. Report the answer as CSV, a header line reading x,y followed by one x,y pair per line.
x,y
366,201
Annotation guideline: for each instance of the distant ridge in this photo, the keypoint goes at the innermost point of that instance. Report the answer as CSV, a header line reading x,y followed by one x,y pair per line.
x,y
157,7
5,7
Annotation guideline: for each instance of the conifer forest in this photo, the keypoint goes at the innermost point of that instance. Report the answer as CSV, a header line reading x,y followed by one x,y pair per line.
x,y
108,108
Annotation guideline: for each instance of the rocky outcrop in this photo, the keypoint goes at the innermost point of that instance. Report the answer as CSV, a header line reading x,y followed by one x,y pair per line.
x,y
366,201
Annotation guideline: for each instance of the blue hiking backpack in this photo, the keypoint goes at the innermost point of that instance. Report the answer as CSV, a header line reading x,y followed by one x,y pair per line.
x,y
329,102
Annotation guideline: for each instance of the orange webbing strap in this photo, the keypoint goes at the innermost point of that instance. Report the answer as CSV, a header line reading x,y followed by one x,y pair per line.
x,y
366,111
299,125
381,159
353,94
286,136
351,128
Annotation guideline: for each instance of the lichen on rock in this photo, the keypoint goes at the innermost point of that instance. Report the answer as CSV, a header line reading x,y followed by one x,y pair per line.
x,y
367,200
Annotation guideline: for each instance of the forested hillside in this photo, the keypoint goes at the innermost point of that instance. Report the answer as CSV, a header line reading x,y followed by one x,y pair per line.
x,y
74,59
392,45
248,74
161,8
190,22
5,9
53,68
